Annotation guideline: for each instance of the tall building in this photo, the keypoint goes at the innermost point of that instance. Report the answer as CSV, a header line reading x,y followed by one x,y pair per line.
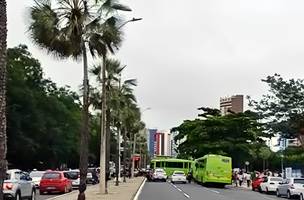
x,y
232,104
151,141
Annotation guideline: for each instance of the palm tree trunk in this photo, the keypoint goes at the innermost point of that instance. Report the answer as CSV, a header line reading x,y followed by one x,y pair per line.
x,y
3,45
132,157
108,142
124,154
84,137
102,184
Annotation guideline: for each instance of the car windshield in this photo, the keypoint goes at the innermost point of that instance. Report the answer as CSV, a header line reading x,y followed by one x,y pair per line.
x,y
301,181
179,173
71,175
51,176
36,174
276,179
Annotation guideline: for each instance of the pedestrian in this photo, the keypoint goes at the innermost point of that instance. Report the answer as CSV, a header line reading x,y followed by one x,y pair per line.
x,y
241,178
189,176
248,179
235,178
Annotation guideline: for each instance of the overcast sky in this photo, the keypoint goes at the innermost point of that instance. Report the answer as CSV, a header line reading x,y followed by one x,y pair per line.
x,y
189,53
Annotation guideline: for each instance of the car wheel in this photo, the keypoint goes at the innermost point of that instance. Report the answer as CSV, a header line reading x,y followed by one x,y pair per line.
x,y
172,182
278,193
288,195
301,197
33,196
18,196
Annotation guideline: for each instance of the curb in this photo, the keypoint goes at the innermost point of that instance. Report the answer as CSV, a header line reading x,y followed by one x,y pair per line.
x,y
136,195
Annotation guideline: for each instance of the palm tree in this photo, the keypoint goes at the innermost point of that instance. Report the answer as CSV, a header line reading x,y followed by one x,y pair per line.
x,y
73,27
3,38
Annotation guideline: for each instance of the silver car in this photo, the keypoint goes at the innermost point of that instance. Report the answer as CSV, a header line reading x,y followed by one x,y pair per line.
x,y
18,185
291,187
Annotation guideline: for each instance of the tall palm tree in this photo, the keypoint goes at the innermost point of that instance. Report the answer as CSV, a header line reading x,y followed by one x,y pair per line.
x,y
3,45
73,27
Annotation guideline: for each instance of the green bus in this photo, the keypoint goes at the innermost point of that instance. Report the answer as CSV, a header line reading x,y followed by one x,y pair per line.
x,y
171,164
213,169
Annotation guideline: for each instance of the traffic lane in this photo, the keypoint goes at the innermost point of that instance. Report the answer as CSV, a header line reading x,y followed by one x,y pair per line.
x,y
160,191
44,197
198,192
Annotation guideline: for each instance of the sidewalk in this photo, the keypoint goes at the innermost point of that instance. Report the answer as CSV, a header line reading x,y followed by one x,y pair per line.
x,y
125,191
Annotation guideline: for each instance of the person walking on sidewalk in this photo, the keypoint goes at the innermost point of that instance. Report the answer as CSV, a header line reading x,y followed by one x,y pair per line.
x,y
241,178
248,179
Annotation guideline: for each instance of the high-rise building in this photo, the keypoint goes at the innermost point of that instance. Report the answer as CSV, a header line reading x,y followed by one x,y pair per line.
x,y
233,104
151,141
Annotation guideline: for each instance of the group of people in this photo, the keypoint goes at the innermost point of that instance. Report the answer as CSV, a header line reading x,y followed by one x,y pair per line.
x,y
239,178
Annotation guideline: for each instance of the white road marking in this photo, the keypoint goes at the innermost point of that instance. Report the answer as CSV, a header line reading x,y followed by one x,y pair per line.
x,y
186,195
139,190
180,190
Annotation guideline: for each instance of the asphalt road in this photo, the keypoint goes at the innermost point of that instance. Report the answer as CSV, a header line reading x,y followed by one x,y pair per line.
x,y
44,197
168,191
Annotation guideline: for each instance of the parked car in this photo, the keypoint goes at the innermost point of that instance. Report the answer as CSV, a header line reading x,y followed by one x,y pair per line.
x,y
290,187
74,177
270,184
55,181
36,177
178,176
159,175
256,182
18,185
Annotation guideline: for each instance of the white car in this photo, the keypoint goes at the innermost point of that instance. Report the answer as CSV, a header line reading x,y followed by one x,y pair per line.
x,y
178,176
290,187
270,184
36,177
159,175
74,177
18,185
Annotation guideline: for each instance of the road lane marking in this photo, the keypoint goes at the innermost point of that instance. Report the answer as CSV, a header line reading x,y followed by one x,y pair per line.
x,y
139,190
180,190
268,198
186,195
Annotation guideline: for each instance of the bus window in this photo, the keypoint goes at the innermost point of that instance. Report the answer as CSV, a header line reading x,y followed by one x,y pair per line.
x,y
157,164
152,166
162,164
189,165
185,165
175,165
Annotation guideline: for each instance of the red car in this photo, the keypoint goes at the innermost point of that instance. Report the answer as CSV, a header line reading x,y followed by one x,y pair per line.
x,y
55,181
256,183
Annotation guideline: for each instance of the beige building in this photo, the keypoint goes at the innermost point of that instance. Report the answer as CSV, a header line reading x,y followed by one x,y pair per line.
x,y
233,104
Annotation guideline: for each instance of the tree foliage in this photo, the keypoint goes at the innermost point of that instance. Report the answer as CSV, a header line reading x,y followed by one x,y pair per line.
x,y
283,107
43,119
236,135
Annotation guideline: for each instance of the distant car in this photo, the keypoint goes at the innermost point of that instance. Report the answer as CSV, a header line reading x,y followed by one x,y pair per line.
x,y
55,181
291,187
36,177
256,183
159,175
18,185
178,177
74,177
270,184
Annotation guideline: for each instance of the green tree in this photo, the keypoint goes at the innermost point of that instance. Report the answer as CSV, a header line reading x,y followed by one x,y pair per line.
x,y
73,27
234,135
264,153
43,119
3,42
283,107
